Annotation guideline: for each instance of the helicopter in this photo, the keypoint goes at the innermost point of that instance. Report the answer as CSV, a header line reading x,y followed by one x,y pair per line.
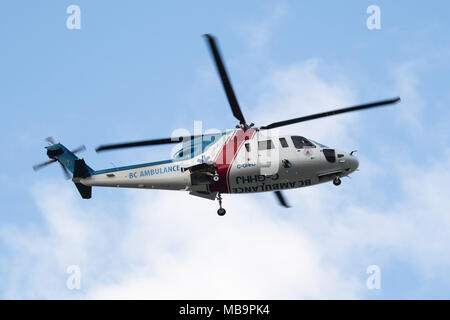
x,y
239,161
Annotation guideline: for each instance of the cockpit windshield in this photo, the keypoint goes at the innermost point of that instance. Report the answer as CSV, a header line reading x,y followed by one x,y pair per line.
x,y
319,144
197,146
302,142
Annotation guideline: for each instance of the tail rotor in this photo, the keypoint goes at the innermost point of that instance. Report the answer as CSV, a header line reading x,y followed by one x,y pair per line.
x,y
52,155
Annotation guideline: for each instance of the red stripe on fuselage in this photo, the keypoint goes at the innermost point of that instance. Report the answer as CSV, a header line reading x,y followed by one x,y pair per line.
x,y
226,156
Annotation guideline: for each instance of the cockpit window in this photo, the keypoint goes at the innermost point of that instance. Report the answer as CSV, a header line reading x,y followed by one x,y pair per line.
x,y
302,142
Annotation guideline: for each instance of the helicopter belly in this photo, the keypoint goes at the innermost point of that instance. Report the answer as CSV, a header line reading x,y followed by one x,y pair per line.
x,y
250,180
286,169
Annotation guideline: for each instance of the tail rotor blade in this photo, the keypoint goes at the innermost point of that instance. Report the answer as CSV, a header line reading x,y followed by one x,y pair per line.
x,y
66,172
43,164
50,141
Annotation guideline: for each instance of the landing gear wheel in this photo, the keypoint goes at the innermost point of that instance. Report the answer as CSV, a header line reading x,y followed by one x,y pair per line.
x,y
221,211
337,181
216,178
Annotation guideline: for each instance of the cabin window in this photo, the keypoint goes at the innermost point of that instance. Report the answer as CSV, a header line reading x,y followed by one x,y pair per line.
x,y
247,147
301,142
196,146
284,143
265,145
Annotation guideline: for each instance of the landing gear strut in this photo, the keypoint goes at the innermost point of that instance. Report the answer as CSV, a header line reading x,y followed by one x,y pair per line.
x,y
221,211
337,181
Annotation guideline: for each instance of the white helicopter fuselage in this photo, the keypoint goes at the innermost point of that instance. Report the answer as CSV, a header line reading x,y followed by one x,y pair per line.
x,y
240,161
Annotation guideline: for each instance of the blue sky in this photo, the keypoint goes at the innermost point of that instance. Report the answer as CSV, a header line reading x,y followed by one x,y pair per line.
x,y
141,69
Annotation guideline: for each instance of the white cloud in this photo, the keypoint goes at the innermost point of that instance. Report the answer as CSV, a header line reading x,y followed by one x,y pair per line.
x,y
189,252
258,33
171,245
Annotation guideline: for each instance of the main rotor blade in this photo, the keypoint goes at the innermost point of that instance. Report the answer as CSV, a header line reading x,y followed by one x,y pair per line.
x,y
281,199
332,113
66,172
43,164
143,143
225,79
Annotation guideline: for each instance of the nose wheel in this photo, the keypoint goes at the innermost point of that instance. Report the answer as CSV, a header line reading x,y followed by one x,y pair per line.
x,y
221,211
337,181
